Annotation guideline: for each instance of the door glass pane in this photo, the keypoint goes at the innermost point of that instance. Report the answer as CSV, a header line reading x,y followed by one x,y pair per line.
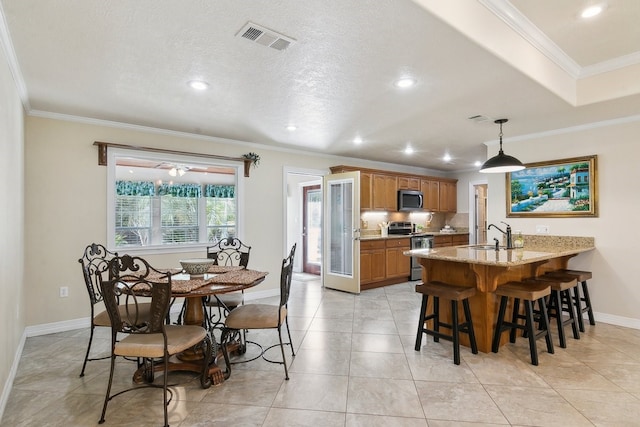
x,y
341,228
314,226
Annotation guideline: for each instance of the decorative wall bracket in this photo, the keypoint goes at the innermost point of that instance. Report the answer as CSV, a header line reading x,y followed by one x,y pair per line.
x,y
103,146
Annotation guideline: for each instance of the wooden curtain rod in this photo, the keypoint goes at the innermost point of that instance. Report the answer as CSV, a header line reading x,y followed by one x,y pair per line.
x,y
102,154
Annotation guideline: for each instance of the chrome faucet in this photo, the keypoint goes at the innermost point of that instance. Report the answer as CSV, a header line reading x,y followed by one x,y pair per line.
x,y
506,233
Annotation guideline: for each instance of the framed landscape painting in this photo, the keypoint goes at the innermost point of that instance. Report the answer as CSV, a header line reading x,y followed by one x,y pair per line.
x,y
557,188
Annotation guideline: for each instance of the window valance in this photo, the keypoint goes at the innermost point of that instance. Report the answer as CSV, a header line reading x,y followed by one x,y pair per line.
x,y
221,191
135,188
180,190
148,188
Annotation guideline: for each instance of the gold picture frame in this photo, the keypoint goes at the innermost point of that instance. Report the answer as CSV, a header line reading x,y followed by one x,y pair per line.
x,y
554,189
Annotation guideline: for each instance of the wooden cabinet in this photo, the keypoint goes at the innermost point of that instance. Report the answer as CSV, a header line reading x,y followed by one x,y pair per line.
x,y
372,261
408,183
382,261
442,241
448,197
450,240
460,239
379,189
366,203
431,191
384,192
398,265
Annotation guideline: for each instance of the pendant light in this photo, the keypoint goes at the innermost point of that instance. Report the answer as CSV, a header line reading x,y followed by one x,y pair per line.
x,y
501,163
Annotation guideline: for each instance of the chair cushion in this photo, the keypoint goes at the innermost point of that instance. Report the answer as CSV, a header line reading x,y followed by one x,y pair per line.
x,y
102,318
179,338
255,316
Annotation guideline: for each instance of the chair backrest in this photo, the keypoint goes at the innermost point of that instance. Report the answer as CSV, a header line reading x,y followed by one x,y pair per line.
x,y
130,283
229,251
286,274
94,262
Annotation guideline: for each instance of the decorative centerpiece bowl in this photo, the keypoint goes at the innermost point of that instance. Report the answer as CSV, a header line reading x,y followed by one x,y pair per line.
x,y
196,267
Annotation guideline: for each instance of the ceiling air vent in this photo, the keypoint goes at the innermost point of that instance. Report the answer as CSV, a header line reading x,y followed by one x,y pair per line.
x,y
264,36
478,118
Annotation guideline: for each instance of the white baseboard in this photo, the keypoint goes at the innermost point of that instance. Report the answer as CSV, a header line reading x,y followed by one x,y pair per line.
x,y
84,322
8,385
611,319
70,325
250,296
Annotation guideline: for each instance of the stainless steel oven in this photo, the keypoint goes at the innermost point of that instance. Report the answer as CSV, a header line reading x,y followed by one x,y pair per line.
x,y
419,242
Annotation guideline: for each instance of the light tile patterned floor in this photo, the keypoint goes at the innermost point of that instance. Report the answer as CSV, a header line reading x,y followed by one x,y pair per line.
x,y
355,366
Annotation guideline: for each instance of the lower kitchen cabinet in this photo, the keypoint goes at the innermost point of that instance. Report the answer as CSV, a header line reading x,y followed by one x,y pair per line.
x,y
372,261
450,240
398,265
382,262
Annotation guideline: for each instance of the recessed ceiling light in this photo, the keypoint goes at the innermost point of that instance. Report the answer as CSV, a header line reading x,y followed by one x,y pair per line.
x,y
198,85
447,157
357,140
405,82
408,150
477,163
291,128
593,10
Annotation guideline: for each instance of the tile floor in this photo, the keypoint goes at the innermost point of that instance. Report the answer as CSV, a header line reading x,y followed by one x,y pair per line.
x,y
355,366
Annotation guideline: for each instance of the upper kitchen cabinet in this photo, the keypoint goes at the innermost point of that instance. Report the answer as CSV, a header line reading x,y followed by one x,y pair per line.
x,y
431,192
366,201
384,192
448,196
408,183
379,189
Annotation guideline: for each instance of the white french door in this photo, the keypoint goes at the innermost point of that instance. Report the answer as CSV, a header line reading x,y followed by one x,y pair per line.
x,y
341,264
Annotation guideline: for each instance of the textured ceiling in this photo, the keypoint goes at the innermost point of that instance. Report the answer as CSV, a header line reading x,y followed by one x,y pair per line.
x,y
130,62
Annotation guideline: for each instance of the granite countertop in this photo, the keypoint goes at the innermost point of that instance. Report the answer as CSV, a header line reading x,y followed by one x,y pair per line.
x,y
540,248
422,233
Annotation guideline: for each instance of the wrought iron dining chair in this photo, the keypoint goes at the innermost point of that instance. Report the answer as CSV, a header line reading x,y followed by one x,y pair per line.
x,y
263,316
228,252
147,337
94,262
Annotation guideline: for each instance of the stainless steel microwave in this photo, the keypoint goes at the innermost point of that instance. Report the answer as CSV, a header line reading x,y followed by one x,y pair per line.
x,y
410,200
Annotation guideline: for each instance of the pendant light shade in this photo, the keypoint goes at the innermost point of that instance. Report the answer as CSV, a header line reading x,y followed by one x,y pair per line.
x,y
501,163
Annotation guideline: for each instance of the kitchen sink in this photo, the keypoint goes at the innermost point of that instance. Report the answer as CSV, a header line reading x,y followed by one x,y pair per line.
x,y
485,247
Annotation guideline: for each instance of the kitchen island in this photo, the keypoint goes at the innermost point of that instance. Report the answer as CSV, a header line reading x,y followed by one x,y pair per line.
x,y
486,269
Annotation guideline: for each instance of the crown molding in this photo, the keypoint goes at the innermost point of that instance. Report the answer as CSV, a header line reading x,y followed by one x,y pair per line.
x,y
571,129
12,60
532,34
504,10
610,65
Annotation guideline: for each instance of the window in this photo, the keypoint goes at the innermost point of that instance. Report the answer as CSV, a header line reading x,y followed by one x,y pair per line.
x,y
157,202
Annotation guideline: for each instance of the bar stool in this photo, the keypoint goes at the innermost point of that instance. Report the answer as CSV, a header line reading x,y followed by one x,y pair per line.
x,y
454,294
560,302
529,293
581,277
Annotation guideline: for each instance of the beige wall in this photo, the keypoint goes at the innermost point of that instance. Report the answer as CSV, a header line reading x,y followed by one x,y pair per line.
x,y
66,205
12,316
614,289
